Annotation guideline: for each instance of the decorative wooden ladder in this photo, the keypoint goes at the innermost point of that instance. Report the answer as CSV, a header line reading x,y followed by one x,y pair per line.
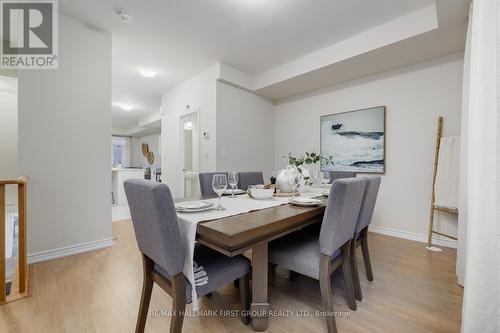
x,y
435,207
20,286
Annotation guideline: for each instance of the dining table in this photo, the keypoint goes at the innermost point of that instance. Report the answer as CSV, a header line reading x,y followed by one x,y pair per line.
x,y
234,235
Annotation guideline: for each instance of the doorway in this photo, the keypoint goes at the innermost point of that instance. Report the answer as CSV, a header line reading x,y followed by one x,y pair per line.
x,y
189,131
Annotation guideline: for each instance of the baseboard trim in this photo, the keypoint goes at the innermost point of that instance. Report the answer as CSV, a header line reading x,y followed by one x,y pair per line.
x,y
436,239
69,250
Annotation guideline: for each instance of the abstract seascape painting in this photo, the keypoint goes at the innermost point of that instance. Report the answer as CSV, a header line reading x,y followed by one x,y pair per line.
x,y
355,139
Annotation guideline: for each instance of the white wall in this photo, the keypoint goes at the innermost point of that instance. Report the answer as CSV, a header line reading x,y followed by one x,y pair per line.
x,y
245,131
64,140
198,92
8,136
137,159
414,96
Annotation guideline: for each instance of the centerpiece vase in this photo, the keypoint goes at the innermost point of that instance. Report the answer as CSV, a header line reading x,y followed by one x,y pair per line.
x,y
282,181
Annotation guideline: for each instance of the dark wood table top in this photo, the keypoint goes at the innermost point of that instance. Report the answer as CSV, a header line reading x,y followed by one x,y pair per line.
x,y
233,235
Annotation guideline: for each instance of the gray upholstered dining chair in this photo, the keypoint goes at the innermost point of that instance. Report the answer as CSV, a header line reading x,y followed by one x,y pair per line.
x,y
206,182
319,257
361,233
334,175
158,235
314,229
246,179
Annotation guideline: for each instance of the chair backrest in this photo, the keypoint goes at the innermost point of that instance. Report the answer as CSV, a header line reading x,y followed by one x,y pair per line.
x,y
155,223
341,214
334,175
246,179
206,182
368,203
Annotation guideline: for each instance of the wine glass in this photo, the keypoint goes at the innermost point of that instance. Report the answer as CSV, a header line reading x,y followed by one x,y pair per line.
x,y
296,181
315,175
232,179
219,185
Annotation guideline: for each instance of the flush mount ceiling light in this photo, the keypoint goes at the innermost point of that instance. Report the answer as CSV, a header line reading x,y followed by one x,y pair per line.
x,y
148,72
124,16
126,106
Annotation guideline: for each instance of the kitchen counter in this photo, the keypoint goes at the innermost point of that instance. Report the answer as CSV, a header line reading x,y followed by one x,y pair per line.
x,y
120,175
126,169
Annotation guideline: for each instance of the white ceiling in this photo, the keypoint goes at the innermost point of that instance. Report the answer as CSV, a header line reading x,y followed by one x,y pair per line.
x,y
428,33
183,37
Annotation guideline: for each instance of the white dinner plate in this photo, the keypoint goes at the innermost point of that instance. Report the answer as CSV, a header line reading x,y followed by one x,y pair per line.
x,y
193,206
236,191
305,202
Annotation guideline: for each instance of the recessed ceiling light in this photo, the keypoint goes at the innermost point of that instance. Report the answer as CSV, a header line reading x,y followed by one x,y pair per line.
x,y
124,16
125,106
148,72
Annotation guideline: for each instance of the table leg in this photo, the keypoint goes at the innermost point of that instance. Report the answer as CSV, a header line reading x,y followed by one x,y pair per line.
x,y
260,302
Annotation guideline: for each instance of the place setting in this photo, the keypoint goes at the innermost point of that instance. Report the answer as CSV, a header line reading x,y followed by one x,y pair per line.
x,y
306,201
193,206
292,183
219,186
232,188
231,192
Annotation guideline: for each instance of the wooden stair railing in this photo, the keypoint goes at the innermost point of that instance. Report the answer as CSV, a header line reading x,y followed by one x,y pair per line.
x,y
21,183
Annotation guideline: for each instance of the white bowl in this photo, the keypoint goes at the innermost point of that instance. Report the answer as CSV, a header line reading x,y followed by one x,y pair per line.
x,y
261,193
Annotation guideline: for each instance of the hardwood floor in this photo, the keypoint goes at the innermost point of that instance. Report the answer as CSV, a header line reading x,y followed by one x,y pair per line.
x,y
414,290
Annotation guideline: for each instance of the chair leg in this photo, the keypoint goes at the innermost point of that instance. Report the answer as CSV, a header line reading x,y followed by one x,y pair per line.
x,y
147,288
326,292
178,303
346,270
236,283
354,271
366,254
292,275
245,299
